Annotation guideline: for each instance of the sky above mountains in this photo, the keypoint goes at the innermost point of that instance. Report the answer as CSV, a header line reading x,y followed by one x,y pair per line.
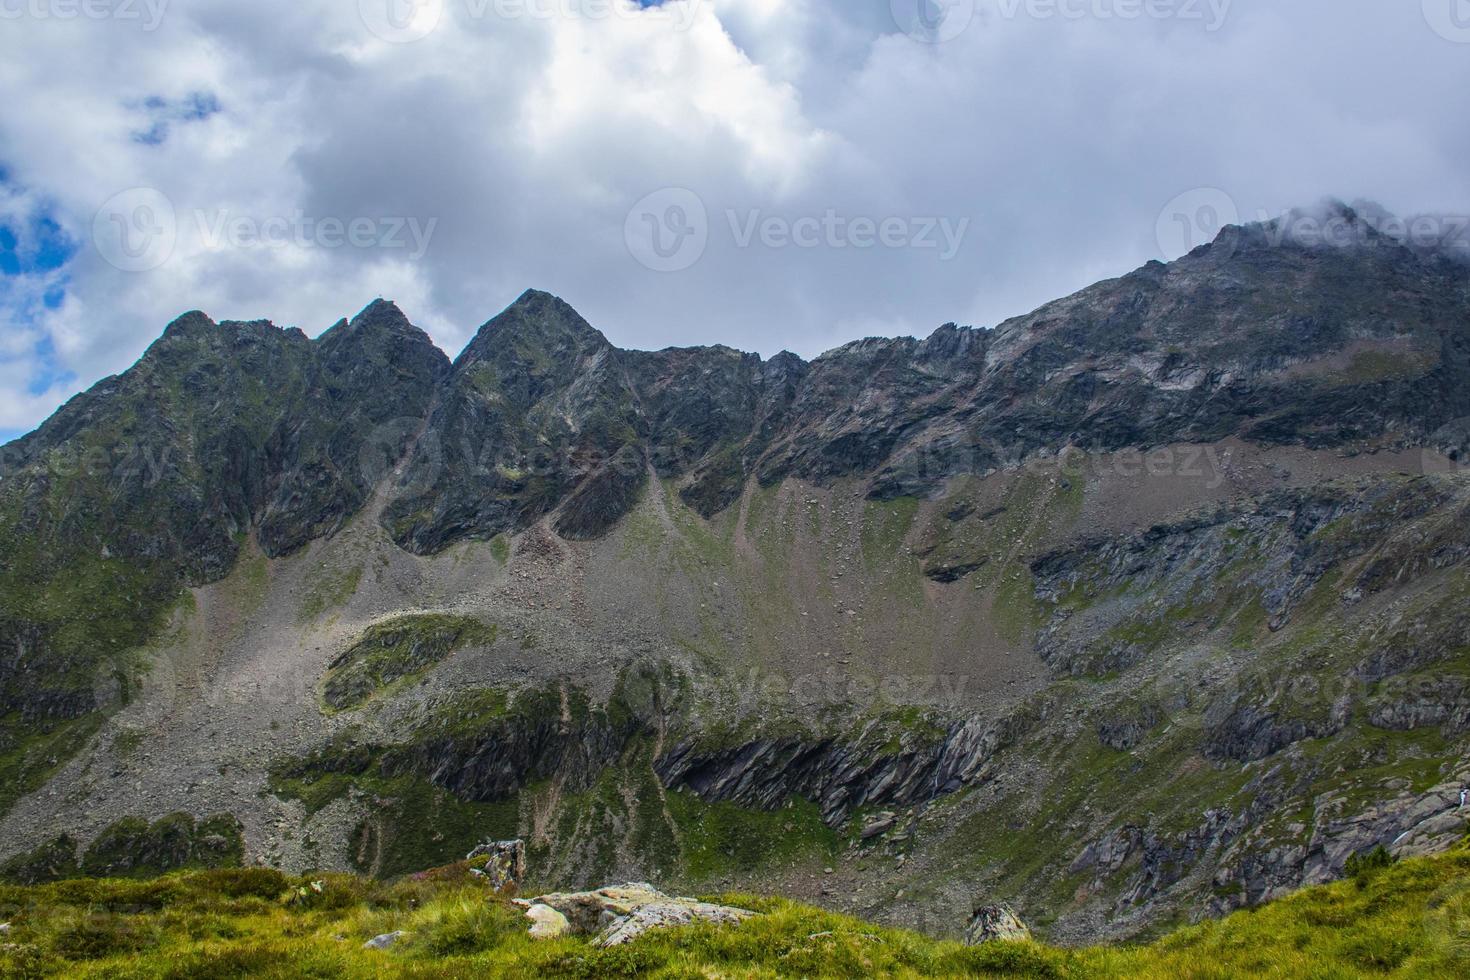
x,y
760,173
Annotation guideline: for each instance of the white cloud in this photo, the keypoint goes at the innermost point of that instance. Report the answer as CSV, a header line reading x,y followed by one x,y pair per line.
x,y
529,138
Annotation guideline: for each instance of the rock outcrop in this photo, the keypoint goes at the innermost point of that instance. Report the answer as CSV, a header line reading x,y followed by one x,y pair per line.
x,y
621,913
547,922
840,776
995,923
504,865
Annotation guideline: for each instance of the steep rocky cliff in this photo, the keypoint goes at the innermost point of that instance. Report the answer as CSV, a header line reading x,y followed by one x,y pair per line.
x,y
1146,605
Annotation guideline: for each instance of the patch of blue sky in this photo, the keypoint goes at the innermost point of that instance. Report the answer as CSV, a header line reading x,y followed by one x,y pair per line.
x,y
35,252
161,114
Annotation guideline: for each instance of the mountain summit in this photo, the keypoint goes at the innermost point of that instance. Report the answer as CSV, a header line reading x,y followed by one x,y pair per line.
x,y
1150,600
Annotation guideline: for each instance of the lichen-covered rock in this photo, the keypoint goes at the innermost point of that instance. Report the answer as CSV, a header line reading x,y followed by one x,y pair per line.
x,y
620,913
990,923
547,922
505,863
665,915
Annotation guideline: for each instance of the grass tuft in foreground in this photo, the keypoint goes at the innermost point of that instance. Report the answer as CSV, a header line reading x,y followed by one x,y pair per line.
x,y
1409,919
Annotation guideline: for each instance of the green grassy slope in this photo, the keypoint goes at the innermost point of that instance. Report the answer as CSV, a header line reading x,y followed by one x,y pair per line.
x,y
1410,919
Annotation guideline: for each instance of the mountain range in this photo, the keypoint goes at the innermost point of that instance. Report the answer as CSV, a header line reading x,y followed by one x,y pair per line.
x,y
1143,607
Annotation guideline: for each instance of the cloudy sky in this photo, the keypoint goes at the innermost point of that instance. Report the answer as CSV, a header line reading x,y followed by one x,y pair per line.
x,y
767,174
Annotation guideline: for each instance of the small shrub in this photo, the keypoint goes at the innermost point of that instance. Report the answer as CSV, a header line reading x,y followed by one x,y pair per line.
x,y
266,883
55,860
95,936
115,895
329,892
1361,867
22,961
464,925
1004,958
629,960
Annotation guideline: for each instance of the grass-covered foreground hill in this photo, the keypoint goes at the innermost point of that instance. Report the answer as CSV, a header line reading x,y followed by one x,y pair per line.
x,y
1409,919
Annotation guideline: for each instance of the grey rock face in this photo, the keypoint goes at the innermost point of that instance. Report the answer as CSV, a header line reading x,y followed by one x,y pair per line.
x,y
992,923
226,429
839,776
1187,559
1408,825
622,913
505,863
546,922
220,430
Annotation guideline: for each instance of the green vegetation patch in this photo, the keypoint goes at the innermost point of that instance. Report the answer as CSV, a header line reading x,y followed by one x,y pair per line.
x,y
328,591
1404,920
54,860
413,825
721,838
885,526
134,848
398,651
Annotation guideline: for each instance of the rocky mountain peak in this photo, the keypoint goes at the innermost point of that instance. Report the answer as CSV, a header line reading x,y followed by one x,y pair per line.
x,y
535,331
189,323
380,316
381,339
